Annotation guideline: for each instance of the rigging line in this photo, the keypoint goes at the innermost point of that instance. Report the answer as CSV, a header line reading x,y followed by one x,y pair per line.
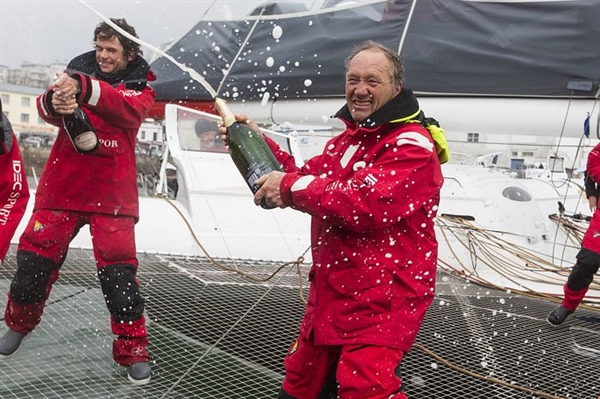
x,y
298,262
570,176
571,233
485,283
173,42
558,146
218,341
515,249
562,130
498,240
405,31
208,9
464,226
185,155
471,275
489,258
244,43
226,73
569,179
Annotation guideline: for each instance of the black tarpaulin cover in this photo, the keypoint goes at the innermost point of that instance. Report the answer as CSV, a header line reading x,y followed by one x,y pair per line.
x,y
536,48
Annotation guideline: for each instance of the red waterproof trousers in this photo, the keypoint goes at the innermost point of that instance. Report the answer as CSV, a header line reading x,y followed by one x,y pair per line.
x,y
588,262
42,249
363,371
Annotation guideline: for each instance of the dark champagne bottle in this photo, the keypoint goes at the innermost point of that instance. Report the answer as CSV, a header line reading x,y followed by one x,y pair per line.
x,y
81,132
248,149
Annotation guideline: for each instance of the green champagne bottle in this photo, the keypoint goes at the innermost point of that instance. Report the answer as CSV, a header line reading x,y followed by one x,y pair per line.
x,y
81,132
248,149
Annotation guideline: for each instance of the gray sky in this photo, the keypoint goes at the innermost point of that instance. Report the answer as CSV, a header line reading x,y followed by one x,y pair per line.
x,y
44,31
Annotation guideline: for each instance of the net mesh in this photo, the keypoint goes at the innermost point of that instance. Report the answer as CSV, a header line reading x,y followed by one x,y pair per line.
x,y
221,328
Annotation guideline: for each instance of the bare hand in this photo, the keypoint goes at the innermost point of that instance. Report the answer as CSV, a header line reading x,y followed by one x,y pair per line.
x,y
65,86
64,106
241,118
64,99
269,190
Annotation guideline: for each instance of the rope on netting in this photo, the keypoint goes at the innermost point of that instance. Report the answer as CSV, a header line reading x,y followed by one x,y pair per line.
x,y
482,377
491,248
218,341
511,261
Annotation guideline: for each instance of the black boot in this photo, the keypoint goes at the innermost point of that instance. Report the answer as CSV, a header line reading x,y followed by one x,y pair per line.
x,y
558,315
284,395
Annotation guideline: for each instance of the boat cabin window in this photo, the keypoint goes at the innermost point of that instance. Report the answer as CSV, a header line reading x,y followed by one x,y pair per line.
x,y
199,133
516,194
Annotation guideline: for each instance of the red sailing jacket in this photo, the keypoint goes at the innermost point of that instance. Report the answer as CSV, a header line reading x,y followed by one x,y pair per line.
x,y
104,181
14,191
373,195
591,238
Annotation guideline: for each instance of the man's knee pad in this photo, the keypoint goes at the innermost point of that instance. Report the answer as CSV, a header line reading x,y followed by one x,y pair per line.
x,y
583,272
121,292
31,279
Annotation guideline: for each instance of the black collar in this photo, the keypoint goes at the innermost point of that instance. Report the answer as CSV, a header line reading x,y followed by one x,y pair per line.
x,y
135,76
401,106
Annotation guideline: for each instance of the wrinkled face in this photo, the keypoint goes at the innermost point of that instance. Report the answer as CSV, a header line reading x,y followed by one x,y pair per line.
x,y
110,55
369,83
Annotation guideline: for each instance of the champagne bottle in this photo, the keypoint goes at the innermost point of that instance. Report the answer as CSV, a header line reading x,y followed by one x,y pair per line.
x,y
248,149
81,132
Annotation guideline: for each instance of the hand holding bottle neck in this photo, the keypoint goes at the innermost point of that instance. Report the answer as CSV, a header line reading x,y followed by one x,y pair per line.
x,y
229,118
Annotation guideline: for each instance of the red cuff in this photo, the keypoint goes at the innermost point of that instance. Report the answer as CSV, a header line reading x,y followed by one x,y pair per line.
x,y
285,188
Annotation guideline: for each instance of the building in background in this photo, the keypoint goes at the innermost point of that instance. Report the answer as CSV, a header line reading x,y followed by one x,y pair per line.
x,y
18,103
19,88
31,75
151,138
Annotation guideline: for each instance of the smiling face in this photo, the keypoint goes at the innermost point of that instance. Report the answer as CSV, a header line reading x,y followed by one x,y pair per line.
x,y
369,83
110,55
208,139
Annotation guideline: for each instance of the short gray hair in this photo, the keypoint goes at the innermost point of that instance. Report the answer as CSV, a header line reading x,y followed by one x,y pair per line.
x,y
397,72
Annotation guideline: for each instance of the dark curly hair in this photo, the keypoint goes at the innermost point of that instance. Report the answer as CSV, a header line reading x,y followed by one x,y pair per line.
x,y
106,31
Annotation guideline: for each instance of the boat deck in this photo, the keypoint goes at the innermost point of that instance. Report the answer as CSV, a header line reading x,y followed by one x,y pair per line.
x,y
220,329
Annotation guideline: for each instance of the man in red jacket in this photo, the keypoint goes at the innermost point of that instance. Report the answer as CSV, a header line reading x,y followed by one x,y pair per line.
x,y
373,196
99,189
588,257
14,190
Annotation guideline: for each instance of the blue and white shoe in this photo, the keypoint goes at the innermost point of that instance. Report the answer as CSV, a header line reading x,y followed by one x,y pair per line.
x,y
10,342
139,373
